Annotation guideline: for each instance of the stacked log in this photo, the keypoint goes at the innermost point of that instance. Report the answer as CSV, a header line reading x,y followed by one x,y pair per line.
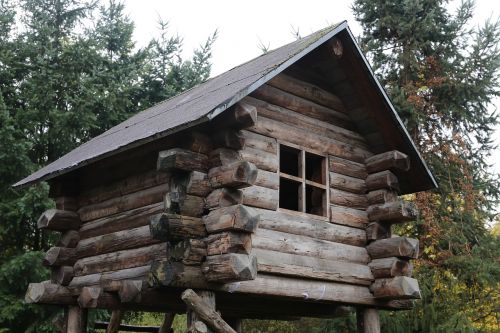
x,y
389,255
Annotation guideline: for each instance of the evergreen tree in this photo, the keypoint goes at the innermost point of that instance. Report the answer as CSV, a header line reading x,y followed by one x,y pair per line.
x,y
442,77
69,70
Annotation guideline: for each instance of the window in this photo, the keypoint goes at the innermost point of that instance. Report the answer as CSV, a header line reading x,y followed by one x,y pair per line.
x,y
302,181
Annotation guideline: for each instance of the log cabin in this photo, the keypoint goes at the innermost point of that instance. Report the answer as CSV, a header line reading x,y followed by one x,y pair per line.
x,y
269,190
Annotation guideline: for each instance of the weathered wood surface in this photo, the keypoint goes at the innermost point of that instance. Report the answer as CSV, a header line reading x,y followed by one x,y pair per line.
x,y
381,196
66,203
307,246
236,175
197,142
399,287
62,275
298,104
348,216
262,197
197,184
328,130
77,320
175,227
59,220
308,226
260,158
134,183
136,273
89,297
229,242
126,220
230,267
119,259
395,211
301,137
167,273
224,197
189,251
181,159
382,180
348,199
185,204
368,320
238,217
240,116
229,138
378,230
223,156
124,203
347,183
60,256
116,241
48,293
69,239
308,91
115,321
267,179
394,247
130,290
280,263
391,160
260,142
166,325
205,312
390,267
346,167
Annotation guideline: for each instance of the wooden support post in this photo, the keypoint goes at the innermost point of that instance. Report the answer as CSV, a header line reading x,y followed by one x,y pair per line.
x,y
205,310
77,320
194,320
166,325
368,321
114,321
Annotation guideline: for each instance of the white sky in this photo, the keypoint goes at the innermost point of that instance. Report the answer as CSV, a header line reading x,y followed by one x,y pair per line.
x,y
244,25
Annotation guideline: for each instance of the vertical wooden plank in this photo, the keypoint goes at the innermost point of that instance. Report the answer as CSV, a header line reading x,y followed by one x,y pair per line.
x,y
368,320
209,298
325,180
166,326
302,170
77,320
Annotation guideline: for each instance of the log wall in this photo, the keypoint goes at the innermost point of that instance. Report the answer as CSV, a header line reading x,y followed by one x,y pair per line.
x,y
205,214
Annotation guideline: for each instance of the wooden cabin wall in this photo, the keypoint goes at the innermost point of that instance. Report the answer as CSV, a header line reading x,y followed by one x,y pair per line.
x,y
201,209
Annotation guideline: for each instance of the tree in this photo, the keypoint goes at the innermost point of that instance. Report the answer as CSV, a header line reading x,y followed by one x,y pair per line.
x,y
442,77
69,70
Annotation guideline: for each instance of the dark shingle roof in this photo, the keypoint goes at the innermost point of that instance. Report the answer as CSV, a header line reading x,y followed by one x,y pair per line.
x,y
196,105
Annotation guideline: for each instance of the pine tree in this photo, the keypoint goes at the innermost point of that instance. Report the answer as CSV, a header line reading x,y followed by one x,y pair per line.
x,y
442,77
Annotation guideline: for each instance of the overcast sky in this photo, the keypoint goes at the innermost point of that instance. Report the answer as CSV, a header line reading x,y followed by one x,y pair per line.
x,y
244,25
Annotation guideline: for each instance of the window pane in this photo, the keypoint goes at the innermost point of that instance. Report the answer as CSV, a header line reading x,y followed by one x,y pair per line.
x,y
289,194
314,168
315,199
289,160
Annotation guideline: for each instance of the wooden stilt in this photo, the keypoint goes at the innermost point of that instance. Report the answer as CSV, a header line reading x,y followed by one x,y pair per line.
x,y
235,323
114,321
166,326
205,310
208,298
77,320
368,320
